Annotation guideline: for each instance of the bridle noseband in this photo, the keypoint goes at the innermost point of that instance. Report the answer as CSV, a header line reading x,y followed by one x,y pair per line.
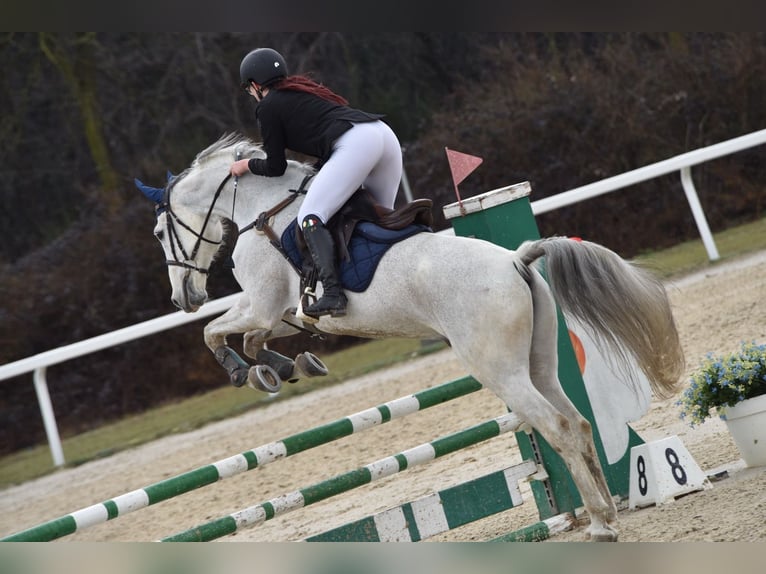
x,y
188,259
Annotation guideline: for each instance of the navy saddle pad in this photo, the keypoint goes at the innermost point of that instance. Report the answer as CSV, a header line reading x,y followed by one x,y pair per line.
x,y
368,245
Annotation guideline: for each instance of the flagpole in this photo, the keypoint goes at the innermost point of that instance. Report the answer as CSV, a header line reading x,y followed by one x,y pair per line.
x,y
454,184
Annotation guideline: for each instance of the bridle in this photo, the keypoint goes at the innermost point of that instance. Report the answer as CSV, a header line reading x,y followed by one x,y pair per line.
x,y
187,262
260,224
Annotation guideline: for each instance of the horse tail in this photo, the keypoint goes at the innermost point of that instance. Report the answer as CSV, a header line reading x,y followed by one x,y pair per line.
x,y
626,306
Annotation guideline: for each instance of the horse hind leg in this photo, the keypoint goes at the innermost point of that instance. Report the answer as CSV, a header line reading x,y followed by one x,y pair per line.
x,y
544,376
506,372
548,385
579,455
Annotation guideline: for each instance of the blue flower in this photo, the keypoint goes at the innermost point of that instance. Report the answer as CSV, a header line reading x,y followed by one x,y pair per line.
x,y
724,381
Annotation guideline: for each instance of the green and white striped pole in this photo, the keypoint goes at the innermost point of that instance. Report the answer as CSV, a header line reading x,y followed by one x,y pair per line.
x,y
384,467
439,512
257,457
540,530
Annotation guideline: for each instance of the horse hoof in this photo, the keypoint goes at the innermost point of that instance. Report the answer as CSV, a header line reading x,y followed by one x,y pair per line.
x,y
310,365
264,378
239,377
603,534
233,364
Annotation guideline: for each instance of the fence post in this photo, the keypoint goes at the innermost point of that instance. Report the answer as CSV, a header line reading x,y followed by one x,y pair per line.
x,y
49,419
699,215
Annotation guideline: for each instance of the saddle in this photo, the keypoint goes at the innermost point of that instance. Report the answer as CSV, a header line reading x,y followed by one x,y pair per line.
x,y
362,207
363,231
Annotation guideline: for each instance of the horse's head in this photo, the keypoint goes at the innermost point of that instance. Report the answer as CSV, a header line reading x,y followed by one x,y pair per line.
x,y
190,217
190,238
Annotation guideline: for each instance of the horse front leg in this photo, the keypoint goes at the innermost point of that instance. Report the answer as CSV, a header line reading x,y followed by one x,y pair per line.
x,y
234,321
240,319
271,368
305,364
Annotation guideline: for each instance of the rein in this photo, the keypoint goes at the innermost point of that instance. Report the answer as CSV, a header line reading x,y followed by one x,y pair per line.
x,y
188,259
262,222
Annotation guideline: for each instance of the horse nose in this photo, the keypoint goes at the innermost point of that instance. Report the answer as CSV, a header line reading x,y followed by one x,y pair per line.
x,y
176,303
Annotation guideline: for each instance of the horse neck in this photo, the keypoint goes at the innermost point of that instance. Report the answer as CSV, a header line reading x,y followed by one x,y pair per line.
x,y
260,194
245,198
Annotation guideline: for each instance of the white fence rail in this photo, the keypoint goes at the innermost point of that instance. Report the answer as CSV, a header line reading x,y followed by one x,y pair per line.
x,y
681,163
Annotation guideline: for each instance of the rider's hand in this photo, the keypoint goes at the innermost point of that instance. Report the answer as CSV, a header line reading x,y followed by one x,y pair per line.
x,y
240,167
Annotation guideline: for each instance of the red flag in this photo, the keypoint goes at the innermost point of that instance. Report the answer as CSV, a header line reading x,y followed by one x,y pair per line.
x,y
461,164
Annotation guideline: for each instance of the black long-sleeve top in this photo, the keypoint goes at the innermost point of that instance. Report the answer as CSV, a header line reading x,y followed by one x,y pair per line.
x,y
301,122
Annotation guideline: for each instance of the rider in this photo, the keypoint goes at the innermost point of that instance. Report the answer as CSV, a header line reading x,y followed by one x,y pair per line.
x,y
354,149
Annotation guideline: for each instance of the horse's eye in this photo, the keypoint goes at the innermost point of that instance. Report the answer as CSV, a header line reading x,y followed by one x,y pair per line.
x,y
159,234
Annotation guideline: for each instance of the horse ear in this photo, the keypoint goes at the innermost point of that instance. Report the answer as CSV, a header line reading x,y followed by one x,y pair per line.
x,y
170,177
156,194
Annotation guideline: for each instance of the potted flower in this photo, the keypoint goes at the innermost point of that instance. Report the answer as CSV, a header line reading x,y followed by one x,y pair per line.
x,y
733,385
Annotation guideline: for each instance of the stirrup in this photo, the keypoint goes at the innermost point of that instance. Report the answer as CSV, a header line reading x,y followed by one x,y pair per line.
x,y
308,298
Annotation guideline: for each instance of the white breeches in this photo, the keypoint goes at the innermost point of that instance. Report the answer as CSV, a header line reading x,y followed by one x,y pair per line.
x,y
367,155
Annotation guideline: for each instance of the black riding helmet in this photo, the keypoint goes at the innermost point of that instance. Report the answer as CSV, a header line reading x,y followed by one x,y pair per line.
x,y
262,66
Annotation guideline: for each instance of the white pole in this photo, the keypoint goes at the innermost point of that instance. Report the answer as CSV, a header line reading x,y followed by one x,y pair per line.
x,y
49,419
107,340
699,215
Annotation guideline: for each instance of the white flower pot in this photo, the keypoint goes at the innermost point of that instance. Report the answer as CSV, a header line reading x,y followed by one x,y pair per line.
x,y
746,422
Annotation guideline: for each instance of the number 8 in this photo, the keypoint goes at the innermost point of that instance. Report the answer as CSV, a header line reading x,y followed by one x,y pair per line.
x,y
678,472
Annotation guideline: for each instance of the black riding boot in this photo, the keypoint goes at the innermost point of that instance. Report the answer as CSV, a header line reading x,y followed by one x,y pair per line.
x,y
322,248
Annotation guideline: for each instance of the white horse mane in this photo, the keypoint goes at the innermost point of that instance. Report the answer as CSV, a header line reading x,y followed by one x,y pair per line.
x,y
247,147
229,144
